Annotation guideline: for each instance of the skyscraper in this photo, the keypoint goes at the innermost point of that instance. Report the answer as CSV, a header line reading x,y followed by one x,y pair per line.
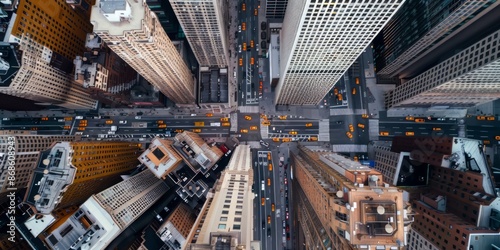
x,y
27,149
50,35
205,24
70,172
161,157
468,78
344,205
106,214
225,219
321,40
420,28
134,33
176,228
276,8
197,154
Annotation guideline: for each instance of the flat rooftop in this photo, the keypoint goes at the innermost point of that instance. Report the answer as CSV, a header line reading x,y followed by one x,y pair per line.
x,y
102,24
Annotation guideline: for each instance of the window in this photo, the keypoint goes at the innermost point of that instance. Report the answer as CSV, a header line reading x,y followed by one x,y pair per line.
x,y
222,226
223,218
225,212
236,226
237,219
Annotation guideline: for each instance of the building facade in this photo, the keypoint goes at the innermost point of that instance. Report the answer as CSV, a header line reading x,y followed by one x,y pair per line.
x,y
197,154
161,158
177,227
276,8
420,27
345,205
27,148
134,33
226,217
106,214
205,25
70,172
468,78
320,40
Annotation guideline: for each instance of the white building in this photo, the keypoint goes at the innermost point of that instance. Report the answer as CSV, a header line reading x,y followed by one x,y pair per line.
x,y
205,24
161,158
134,33
227,216
469,78
320,41
105,215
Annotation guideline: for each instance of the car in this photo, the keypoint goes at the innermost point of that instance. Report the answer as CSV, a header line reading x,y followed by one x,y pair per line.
x,y
226,124
286,139
244,131
282,117
224,119
68,118
287,228
266,123
248,118
79,133
252,61
160,122
244,46
263,224
81,129
409,118
293,132
268,232
67,127
497,137
138,117
255,12
272,207
253,127
419,120
240,62
481,118
263,201
309,124
239,51
79,117
268,219
275,139
353,91
486,142
364,116
197,130
286,181
111,132
122,122
243,7
243,26
313,138
361,125
340,97
287,214
490,118
351,128
162,125
34,128
356,80
356,158
239,28
251,44
209,114
270,166
179,130
348,134
436,129
269,181
384,133
410,133
287,236
268,156
109,122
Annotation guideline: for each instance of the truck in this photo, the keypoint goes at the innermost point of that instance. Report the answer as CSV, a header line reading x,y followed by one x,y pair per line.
x,y
199,124
215,124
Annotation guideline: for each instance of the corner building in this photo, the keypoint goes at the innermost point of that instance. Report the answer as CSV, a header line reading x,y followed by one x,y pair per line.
x,y
321,40
133,32
345,205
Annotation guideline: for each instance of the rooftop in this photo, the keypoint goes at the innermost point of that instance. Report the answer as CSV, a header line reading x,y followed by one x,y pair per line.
x,y
104,10
196,152
9,63
160,157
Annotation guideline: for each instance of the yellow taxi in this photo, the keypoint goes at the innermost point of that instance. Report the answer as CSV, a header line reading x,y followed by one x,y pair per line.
x,y
410,133
244,47
286,140
490,118
243,26
162,125
210,114
361,125
81,128
293,132
481,118
266,123
224,119
252,61
353,91
351,128
349,135
34,128
309,124
384,133
420,120
313,138
335,91
339,97
486,142
248,118
240,61
253,128
269,181
67,127
45,119
273,207
263,201
197,130
255,12
436,129
68,118
275,139
268,156
268,219
282,117
410,118
356,80
270,166
251,44
243,7
497,137
226,124
179,130
244,131
364,116
109,122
